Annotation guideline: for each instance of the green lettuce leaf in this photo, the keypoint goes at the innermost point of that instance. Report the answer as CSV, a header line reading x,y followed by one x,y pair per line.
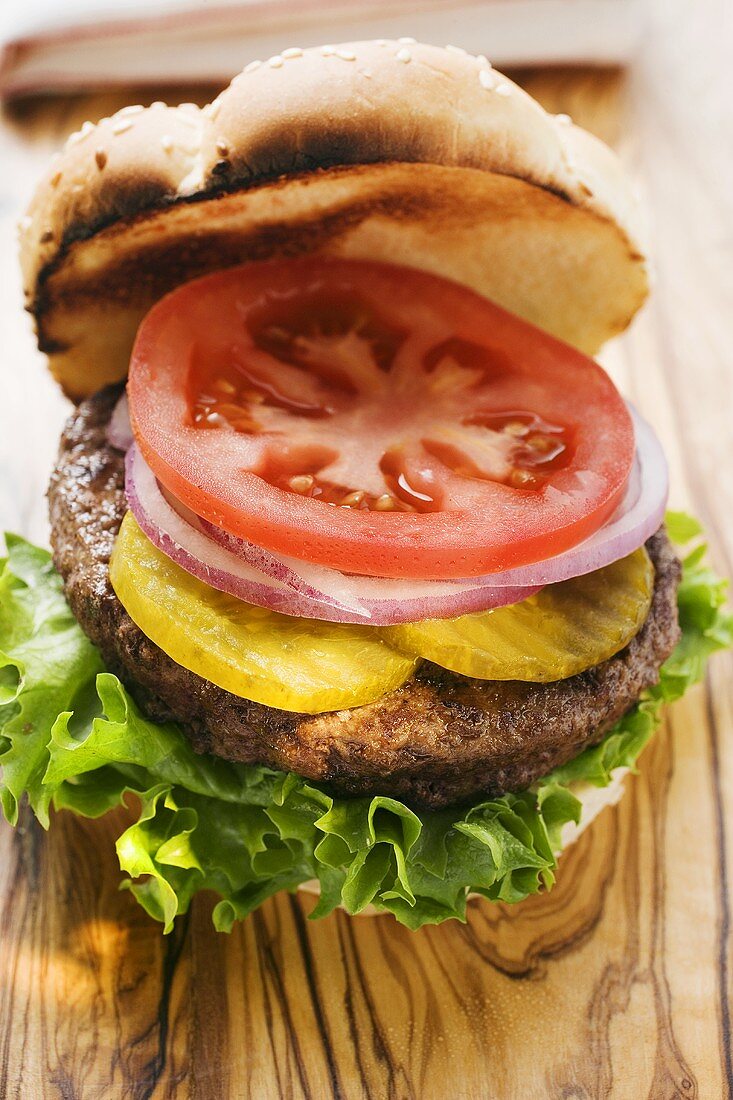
x,y
72,738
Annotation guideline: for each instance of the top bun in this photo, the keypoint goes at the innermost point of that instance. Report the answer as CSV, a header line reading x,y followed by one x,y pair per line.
x,y
388,151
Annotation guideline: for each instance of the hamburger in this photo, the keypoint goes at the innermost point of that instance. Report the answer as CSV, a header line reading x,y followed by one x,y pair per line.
x,y
360,581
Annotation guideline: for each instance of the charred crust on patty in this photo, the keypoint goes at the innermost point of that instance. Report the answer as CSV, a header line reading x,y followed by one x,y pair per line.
x,y
439,740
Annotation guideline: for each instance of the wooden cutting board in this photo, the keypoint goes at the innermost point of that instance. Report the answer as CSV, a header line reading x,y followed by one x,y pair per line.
x,y
615,984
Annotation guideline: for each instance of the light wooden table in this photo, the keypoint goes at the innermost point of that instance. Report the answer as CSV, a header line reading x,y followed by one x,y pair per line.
x,y
615,984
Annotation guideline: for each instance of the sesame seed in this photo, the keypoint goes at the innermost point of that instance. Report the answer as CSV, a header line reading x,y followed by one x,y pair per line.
x,y
157,104
293,51
483,60
403,55
346,55
100,157
79,135
56,179
276,62
328,51
457,49
189,108
252,66
167,143
486,79
408,41
563,120
121,127
366,72
503,89
134,109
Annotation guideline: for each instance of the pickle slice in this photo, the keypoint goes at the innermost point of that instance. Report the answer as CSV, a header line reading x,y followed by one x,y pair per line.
x,y
295,664
561,631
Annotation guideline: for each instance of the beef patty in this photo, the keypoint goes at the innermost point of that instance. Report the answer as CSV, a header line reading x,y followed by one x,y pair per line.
x,y
439,739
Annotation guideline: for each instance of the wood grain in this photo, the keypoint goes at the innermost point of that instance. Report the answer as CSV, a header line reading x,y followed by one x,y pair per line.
x,y
618,983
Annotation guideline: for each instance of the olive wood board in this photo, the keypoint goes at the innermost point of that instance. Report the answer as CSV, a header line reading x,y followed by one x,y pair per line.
x,y
615,984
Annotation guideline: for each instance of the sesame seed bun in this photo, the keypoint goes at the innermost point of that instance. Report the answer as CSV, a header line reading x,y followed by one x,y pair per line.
x,y
387,151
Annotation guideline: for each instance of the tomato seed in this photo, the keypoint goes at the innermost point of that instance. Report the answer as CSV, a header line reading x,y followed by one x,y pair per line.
x,y
229,412
516,427
353,500
522,479
385,503
253,396
245,425
542,443
301,483
225,386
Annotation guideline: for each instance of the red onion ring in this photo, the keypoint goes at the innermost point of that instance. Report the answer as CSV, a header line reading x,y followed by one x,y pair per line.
x,y
639,515
282,588
194,551
300,588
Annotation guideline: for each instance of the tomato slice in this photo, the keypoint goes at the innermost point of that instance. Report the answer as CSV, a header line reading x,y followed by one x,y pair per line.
x,y
375,419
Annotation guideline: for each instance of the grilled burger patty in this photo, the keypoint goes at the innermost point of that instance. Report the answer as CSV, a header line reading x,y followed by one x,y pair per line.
x,y
440,739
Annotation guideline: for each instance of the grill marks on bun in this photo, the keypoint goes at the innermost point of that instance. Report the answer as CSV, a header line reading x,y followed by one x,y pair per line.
x,y
379,150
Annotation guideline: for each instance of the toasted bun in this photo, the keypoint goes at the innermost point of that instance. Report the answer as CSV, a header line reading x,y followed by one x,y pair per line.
x,y
378,150
592,801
